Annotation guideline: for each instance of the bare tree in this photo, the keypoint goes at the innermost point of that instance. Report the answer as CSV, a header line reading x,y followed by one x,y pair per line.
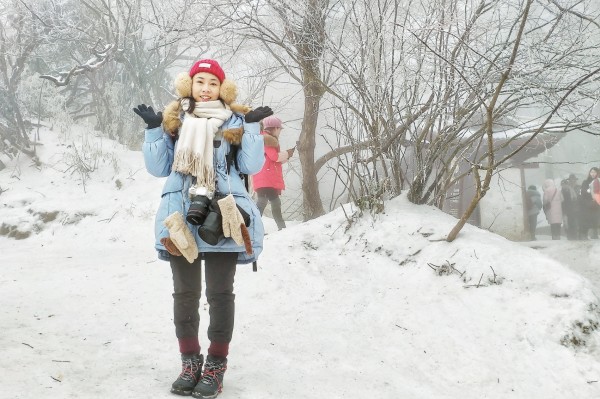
x,y
294,34
439,84
419,93
123,52
101,57
411,84
20,35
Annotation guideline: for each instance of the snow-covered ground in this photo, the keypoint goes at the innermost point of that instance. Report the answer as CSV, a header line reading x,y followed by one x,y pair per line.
x,y
581,256
377,308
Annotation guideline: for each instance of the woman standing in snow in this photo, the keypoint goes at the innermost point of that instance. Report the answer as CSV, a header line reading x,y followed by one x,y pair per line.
x,y
570,207
534,206
201,145
588,206
553,207
268,183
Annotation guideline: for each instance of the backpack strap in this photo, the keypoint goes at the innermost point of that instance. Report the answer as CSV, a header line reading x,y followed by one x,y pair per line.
x,y
231,157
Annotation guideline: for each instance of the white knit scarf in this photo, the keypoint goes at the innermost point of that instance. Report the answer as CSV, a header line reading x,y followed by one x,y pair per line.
x,y
194,153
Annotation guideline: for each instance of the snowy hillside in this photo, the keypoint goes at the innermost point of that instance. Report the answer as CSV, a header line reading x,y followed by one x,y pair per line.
x,y
380,308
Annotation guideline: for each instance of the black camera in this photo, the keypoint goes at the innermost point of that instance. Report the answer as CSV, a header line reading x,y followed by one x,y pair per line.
x,y
204,212
211,230
200,202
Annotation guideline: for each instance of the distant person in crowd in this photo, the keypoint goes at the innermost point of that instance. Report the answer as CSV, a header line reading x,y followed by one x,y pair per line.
x,y
268,183
206,221
569,206
589,207
533,205
552,205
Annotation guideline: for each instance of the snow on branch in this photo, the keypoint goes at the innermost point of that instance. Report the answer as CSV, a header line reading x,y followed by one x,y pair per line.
x,y
99,58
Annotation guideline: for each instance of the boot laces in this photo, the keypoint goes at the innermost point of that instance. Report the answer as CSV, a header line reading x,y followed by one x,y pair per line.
x,y
189,369
212,372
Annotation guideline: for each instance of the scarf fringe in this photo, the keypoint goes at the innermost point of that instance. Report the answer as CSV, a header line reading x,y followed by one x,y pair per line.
x,y
188,162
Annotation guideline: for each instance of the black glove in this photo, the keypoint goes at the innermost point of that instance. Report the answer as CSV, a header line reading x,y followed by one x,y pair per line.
x,y
151,118
258,114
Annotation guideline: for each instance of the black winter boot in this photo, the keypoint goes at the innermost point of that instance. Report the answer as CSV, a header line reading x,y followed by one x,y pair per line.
x,y
191,370
211,383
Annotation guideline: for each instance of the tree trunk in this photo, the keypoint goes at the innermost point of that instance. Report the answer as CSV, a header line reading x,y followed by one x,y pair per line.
x,y
313,206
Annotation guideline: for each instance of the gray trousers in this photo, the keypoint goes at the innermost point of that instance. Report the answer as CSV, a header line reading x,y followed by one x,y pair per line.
x,y
532,225
187,287
271,195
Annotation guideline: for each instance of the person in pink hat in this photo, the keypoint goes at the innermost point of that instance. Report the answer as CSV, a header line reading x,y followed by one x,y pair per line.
x,y
206,221
268,183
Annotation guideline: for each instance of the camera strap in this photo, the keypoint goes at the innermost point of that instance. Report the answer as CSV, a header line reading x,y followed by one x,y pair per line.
x,y
231,159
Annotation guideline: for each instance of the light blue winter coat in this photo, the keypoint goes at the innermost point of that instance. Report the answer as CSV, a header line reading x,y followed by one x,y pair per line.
x,y
158,153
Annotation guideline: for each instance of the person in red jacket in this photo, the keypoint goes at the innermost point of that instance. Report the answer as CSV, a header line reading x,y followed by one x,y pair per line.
x,y
268,183
590,209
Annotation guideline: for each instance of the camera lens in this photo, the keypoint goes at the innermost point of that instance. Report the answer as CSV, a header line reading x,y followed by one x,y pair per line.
x,y
211,230
198,210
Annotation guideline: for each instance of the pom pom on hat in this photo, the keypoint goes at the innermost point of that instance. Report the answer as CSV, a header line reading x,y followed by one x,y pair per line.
x,y
210,66
271,121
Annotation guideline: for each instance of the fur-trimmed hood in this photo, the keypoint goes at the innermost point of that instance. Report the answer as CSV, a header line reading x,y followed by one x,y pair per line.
x,y
183,89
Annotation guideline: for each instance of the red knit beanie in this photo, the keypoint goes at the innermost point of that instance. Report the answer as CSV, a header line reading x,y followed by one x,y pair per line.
x,y
210,66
